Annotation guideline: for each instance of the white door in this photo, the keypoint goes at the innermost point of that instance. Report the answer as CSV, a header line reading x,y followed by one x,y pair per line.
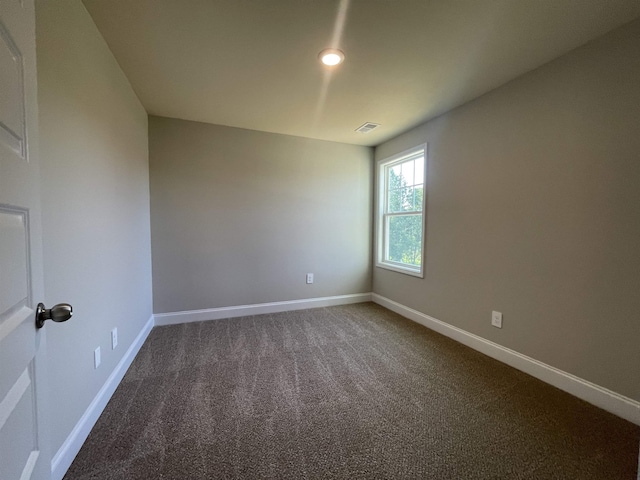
x,y
23,444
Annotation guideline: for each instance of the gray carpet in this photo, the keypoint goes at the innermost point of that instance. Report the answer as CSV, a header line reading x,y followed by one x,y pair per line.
x,y
343,392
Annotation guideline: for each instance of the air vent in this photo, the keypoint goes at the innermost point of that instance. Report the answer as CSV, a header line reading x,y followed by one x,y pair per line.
x,y
367,127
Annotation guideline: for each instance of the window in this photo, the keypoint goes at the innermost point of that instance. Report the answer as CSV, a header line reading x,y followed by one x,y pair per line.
x,y
401,203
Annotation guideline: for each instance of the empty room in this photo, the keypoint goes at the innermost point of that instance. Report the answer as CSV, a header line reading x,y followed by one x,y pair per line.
x,y
306,239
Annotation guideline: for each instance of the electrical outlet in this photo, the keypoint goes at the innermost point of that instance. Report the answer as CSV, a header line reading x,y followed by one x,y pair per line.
x,y
496,319
114,338
309,277
96,357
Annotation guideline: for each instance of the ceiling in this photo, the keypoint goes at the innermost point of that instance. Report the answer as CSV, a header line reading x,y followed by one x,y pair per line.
x,y
253,63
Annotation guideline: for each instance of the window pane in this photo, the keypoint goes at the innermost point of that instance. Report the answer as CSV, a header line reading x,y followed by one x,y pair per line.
x,y
404,234
407,172
395,177
395,200
420,170
419,195
402,200
407,199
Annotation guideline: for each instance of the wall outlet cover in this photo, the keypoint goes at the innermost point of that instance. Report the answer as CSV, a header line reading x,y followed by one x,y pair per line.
x,y
96,358
496,319
114,338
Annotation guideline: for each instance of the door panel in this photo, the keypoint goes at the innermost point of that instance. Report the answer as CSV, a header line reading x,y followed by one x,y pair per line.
x,y
12,112
17,413
23,442
14,268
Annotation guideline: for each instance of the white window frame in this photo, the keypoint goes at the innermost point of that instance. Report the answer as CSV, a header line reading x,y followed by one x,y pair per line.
x,y
381,191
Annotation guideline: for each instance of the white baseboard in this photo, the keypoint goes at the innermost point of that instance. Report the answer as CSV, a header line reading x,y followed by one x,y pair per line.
x,y
608,400
64,456
257,309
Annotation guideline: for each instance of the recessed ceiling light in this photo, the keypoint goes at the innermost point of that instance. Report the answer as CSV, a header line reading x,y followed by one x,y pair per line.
x,y
331,56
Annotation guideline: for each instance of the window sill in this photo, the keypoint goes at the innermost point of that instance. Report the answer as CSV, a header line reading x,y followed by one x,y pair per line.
x,y
400,269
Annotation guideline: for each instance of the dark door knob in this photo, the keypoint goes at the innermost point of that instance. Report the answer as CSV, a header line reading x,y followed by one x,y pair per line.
x,y
58,313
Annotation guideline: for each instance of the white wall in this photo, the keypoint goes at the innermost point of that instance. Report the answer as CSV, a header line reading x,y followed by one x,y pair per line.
x,y
534,210
95,190
239,217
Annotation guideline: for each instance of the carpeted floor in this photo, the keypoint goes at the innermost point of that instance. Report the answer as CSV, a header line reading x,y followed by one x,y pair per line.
x,y
343,392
